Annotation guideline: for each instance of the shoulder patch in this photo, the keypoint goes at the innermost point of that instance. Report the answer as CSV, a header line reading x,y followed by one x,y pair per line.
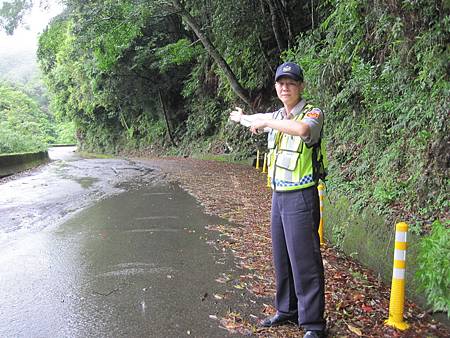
x,y
314,114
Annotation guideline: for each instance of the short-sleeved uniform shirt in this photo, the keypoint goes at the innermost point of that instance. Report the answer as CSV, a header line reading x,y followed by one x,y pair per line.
x,y
313,118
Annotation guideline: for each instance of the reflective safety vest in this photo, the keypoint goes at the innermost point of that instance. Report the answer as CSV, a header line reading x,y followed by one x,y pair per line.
x,y
293,165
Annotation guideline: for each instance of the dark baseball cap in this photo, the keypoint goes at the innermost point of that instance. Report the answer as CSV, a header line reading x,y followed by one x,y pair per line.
x,y
291,70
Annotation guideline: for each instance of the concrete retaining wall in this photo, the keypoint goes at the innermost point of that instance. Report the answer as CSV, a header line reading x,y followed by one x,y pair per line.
x,y
366,237
62,145
14,163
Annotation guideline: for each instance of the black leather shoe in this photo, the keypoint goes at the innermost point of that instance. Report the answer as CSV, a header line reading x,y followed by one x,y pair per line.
x,y
314,334
279,319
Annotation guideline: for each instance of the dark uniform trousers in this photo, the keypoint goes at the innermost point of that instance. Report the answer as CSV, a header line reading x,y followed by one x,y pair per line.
x,y
297,258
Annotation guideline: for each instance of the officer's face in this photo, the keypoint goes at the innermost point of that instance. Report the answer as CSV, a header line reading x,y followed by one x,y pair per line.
x,y
288,91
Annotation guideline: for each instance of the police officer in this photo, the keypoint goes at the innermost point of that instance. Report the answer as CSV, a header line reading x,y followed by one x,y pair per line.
x,y
295,157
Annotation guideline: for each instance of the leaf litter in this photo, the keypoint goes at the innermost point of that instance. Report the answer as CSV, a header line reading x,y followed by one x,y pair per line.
x,y
357,302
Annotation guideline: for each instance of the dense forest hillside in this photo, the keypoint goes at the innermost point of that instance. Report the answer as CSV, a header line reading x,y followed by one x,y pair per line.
x,y
18,67
25,123
163,75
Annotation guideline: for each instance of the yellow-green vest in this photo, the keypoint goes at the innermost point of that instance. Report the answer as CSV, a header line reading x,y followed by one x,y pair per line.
x,y
290,160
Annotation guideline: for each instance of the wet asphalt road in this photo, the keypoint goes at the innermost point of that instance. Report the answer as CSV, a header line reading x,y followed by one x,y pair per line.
x,y
105,248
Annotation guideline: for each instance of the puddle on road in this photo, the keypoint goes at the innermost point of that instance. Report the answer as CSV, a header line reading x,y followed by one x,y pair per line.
x,y
54,193
134,264
86,182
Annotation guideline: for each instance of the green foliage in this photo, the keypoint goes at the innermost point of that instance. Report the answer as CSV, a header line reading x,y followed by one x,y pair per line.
x,y
378,69
433,274
51,42
200,124
65,132
13,141
23,125
104,80
11,14
120,26
380,73
238,28
178,53
155,132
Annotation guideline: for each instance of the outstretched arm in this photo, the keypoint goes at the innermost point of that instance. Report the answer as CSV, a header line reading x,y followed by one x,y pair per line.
x,y
246,120
309,128
290,127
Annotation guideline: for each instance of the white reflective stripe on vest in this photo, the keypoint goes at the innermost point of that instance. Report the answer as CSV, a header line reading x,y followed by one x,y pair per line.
x,y
290,162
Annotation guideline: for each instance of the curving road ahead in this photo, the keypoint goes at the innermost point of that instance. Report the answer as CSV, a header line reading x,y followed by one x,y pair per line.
x,y
105,248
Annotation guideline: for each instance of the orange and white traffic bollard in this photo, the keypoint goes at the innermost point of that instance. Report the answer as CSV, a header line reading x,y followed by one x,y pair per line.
x,y
397,301
321,188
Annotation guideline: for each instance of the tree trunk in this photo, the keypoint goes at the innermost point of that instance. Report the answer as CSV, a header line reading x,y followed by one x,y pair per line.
x,y
265,56
163,106
276,26
287,22
212,51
